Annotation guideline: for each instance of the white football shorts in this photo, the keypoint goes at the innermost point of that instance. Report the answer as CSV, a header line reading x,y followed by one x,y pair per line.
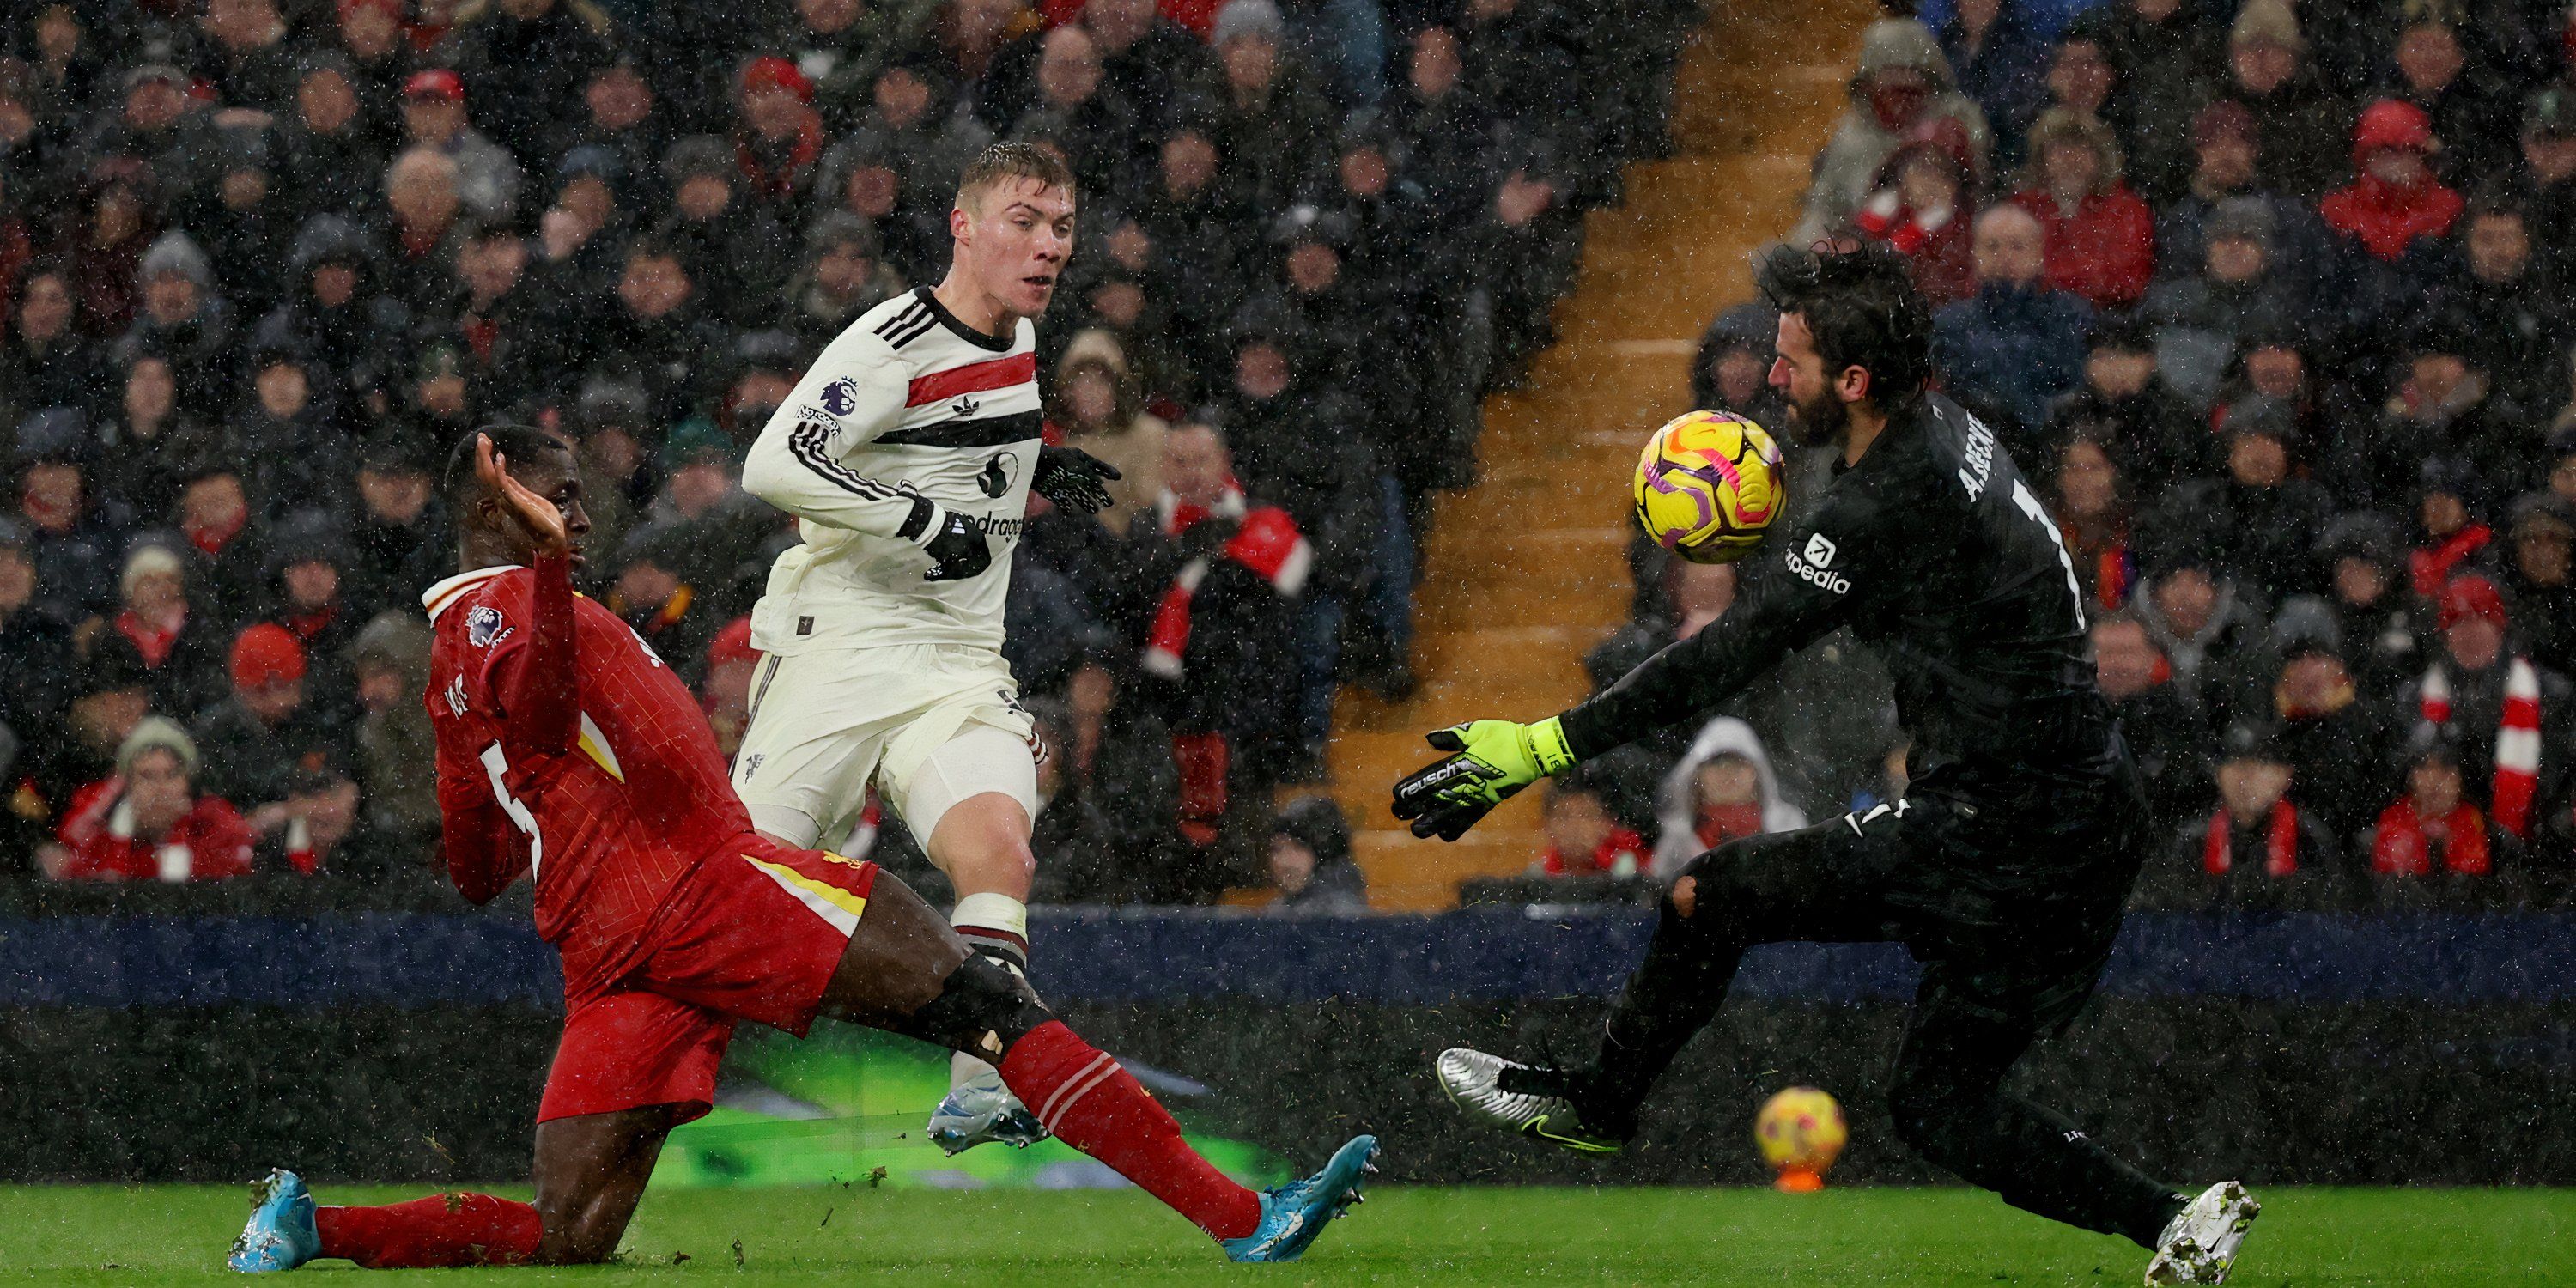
x,y
928,725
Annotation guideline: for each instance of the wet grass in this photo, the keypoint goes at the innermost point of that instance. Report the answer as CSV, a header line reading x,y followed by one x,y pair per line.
x,y
2308,1238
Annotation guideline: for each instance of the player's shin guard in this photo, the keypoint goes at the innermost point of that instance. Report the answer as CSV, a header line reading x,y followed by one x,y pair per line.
x,y
1671,997
996,926
441,1230
1090,1103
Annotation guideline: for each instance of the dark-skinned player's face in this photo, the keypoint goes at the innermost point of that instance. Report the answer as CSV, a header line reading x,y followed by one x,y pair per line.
x,y
550,474
1817,413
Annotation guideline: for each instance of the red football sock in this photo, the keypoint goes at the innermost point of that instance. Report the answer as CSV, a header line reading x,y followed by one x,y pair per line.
x,y
441,1230
1099,1108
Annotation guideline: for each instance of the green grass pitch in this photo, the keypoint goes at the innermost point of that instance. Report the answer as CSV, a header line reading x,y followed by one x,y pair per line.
x,y
2307,1238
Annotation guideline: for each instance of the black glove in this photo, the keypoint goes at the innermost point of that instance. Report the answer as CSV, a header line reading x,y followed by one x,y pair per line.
x,y
1071,478
1206,538
957,548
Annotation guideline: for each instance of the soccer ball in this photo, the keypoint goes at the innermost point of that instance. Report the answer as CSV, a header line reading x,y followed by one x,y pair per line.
x,y
1800,1131
1708,486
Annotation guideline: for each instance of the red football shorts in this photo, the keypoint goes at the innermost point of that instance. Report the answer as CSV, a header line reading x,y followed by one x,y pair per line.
x,y
754,933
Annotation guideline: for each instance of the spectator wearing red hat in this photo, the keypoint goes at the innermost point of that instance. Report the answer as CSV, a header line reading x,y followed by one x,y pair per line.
x,y
2394,199
527,63
779,137
254,739
2101,239
487,179
2505,714
150,821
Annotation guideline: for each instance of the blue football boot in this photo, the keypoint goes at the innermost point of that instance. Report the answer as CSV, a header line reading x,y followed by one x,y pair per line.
x,y
1293,1214
280,1235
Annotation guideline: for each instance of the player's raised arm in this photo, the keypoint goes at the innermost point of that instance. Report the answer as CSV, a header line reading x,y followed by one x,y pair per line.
x,y
535,685
1781,609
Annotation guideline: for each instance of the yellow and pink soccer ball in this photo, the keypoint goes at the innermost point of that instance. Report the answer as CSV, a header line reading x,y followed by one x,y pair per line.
x,y
1800,1131
1708,486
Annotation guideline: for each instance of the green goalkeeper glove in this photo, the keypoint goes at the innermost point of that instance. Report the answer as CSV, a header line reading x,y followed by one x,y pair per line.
x,y
1492,759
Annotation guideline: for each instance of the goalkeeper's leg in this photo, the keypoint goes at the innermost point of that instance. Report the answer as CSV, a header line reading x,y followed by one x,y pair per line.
x,y
1820,883
1947,1100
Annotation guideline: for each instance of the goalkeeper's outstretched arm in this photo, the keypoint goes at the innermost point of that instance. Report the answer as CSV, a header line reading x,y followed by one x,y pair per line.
x,y
1786,603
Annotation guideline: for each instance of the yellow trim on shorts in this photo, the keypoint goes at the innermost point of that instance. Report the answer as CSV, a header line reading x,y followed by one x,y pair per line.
x,y
855,905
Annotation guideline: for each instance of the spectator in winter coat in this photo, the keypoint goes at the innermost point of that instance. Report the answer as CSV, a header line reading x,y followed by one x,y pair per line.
x,y
2100,237
2503,713
2164,52
2470,107
1925,206
1723,788
653,598
2227,163
2214,640
395,543
844,275
45,363
2016,344
778,140
182,316
2303,126
2334,735
1902,80
339,314
736,250
487,177
1098,408
1732,371
527,62
333,148
2166,730
2363,555
2545,178
2541,579
181,645
1310,858
2433,843
1582,835
2515,326
2394,198
2001,61
396,750
2087,497
255,738
150,822
2453,537
2125,404
70,529
2440,409
2260,849
2263,518
2205,316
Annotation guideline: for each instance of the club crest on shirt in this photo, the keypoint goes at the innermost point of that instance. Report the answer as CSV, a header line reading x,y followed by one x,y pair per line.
x,y
998,473
840,398
484,627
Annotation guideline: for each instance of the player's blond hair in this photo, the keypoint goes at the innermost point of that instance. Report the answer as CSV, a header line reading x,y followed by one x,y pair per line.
x,y
1013,159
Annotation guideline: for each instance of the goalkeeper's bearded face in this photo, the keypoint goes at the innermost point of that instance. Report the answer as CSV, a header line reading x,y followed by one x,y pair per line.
x,y
1816,408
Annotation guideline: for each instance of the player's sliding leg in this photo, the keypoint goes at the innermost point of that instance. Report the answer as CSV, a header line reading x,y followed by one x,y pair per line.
x,y
906,972
591,1171
1819,883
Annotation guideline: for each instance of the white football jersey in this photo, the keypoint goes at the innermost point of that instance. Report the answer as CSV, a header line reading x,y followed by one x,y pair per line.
x,y
908,413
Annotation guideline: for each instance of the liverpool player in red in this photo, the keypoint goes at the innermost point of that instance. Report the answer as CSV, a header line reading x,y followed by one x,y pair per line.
x,y
568,752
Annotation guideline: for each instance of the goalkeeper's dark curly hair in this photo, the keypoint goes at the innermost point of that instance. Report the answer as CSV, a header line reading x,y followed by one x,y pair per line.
x,y
1859,301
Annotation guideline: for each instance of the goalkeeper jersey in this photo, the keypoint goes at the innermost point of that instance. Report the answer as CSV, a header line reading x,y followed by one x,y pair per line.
x,y
906,414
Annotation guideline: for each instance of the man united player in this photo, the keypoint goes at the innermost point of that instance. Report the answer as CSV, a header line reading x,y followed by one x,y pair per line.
x,y
568,752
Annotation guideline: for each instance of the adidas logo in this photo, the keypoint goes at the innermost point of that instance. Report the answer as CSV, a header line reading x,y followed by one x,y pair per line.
x,y
964,407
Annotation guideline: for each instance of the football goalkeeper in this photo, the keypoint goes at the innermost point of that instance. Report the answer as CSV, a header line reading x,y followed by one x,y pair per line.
x,y
2004,868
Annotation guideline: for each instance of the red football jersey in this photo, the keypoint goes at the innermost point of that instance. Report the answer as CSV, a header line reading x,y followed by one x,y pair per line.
x,y
567,749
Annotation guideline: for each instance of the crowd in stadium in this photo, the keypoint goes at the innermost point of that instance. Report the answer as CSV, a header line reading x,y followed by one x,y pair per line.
x,y
2269,302
2265,299
263,261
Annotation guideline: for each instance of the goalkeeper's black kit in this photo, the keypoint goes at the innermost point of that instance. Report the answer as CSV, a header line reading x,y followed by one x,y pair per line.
x,y
2004,868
